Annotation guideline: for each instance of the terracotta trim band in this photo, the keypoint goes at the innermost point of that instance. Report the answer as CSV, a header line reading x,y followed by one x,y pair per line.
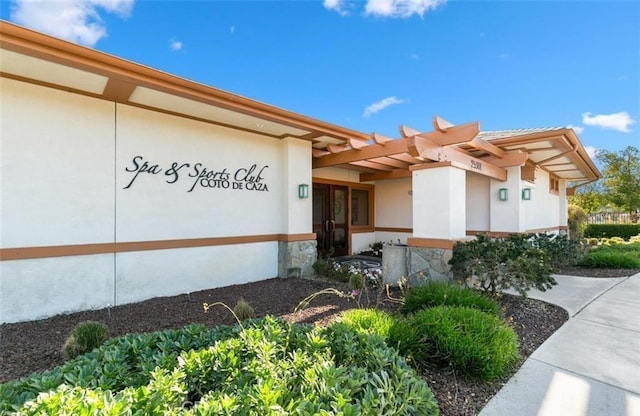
x,y
507,234
430,243
394,230
23,253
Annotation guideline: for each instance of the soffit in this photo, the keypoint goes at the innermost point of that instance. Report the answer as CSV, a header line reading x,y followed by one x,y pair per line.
x,y
33,57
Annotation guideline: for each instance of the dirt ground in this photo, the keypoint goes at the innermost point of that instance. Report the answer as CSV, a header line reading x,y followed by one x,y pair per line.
x,y
36,346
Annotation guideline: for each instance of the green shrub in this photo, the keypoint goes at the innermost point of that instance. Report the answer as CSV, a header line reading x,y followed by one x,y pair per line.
x,y
610,260
84,337
625,231
493,265
265,367
243,310
472,342
441,293
593,242
369,321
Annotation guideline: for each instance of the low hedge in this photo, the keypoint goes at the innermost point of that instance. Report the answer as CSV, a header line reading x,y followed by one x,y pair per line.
x,y
625,231
267,367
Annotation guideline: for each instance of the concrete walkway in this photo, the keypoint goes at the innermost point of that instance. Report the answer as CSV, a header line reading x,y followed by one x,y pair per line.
x,y
591,365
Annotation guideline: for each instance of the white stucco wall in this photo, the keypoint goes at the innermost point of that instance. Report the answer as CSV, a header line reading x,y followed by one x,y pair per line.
x,y
34,289
394,205
64,173
361,241
439,203
507,216
56,166
297,213
145,274
543,210
146,208
478,202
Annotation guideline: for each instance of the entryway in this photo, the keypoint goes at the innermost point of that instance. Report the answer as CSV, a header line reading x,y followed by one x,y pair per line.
x,y
330,218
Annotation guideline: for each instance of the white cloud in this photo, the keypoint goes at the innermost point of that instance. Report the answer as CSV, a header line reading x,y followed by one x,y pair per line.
x,y
577,129
616,121
335,5
591,151
415,56
175,45
381,105
232,30
400,8
74,20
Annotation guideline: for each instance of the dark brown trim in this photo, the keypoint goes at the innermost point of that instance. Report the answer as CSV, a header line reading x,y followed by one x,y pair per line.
x,y
430,243
394,230
23,253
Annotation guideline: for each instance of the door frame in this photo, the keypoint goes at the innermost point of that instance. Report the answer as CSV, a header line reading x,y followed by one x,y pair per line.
x,y
352,229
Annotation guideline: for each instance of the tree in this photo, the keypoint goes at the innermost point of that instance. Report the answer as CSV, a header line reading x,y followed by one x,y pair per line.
x,y
622,178
590,197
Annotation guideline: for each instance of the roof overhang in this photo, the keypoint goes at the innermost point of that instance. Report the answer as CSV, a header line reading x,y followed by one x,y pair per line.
x,y
556,150
33,57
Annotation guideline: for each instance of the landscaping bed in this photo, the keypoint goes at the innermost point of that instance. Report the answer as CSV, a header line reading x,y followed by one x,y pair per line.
x,y
36,346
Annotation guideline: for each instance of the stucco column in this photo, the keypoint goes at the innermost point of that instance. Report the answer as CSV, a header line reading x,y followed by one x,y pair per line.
x,y
439,218
297,246
563,205
507,216
439,202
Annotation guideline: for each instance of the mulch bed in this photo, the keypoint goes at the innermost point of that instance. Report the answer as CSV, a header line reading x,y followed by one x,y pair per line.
x,y
36,345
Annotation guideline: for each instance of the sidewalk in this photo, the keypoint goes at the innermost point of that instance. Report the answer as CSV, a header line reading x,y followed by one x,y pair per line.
x,y
591,365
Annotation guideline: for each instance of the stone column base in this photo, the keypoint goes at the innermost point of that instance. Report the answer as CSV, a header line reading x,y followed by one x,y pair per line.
x,y
428,264
296,258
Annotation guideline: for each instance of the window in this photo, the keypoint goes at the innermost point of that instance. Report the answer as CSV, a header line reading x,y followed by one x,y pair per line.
x,y
554,185
359,207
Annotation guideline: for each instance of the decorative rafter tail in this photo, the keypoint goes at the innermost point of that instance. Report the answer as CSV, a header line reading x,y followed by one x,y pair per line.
x,y
441,124
406,131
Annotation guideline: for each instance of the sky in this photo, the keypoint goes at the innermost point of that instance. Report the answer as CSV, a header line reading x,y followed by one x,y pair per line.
x,y
377,64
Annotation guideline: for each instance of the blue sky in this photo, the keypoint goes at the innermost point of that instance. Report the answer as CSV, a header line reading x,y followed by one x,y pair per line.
x,y
374,65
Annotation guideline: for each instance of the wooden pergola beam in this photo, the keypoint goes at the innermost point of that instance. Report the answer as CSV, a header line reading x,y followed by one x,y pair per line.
x,y
485,146
463,133
368,152
389,161
426,149
440,124
372,165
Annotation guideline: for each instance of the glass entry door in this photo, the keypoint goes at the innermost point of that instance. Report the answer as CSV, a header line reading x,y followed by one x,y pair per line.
x,y
330,218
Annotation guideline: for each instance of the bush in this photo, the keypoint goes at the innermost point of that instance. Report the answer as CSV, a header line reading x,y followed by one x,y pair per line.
x,y
577,221
472,342
266,367
610,260
368,321
243,310
493,265
84,337
625,231
441,293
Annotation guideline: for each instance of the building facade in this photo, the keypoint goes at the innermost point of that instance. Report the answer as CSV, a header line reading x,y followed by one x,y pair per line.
x,y
120,183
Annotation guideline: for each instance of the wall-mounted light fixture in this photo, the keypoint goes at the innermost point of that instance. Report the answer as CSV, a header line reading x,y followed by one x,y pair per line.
x,y
303,191
503,194
526,194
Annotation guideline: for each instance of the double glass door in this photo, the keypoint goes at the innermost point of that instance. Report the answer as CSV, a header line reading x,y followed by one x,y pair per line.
x,y
330,218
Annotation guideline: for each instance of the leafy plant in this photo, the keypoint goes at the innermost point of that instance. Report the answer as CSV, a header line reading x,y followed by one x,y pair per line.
x,y
442,293
577,221
84,337
267,367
